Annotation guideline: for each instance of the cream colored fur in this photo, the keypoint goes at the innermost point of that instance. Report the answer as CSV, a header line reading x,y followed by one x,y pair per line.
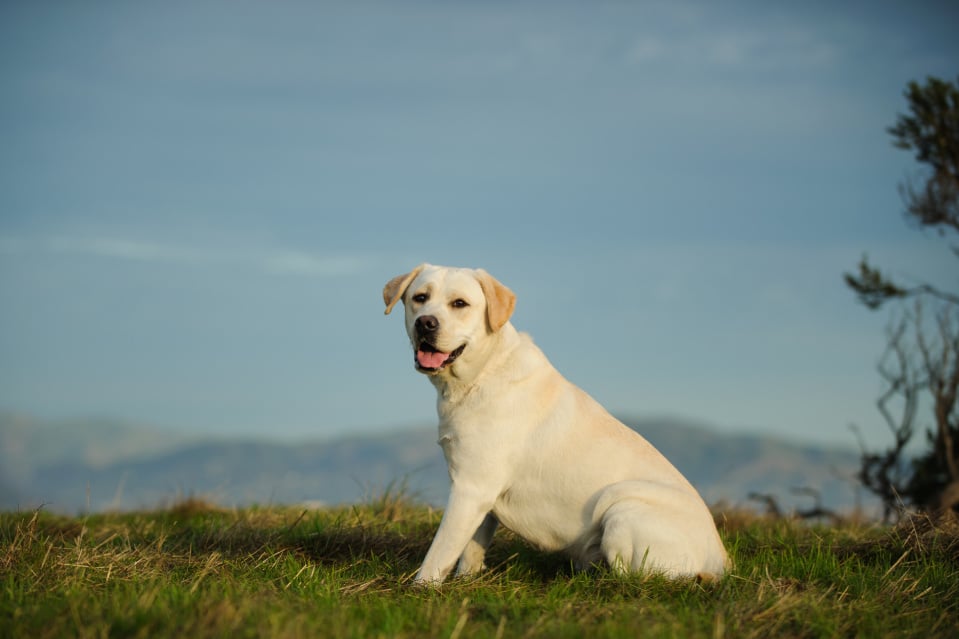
x,y
528,449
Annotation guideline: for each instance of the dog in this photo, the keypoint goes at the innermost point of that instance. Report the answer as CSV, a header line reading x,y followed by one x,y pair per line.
x,y
527,449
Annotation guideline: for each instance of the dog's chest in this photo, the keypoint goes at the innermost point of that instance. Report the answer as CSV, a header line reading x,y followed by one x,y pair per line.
x,y
448,443
478,437
457,448
470,458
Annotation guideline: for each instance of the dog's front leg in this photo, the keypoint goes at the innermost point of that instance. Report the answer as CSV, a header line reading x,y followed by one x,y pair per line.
x,y
471,561
464,514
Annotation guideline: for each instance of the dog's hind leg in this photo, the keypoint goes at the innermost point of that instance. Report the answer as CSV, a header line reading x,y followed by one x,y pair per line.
x,y
472,559
626,546
648,527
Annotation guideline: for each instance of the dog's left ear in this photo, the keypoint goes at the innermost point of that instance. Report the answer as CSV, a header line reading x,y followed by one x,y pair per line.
x,y
395,288
500,301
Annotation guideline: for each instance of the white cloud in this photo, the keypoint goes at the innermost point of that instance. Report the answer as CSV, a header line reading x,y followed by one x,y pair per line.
x,y
121,248
646,49
300,263
793,48
269,260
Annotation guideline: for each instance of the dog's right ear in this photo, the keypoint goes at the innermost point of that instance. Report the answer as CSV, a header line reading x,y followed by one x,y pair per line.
x,y
395,288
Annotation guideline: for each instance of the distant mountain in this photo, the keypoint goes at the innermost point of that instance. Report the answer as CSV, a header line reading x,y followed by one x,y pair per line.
x,y
96,465
90,465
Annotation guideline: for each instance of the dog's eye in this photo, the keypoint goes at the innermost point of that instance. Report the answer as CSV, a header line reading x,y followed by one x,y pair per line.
x,y
419,298
460,303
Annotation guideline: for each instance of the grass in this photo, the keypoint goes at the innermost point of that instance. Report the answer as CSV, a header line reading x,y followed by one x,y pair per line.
x,y
195,570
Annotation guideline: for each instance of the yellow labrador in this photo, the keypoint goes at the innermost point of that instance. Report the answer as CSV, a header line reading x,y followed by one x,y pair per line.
x,y
528,449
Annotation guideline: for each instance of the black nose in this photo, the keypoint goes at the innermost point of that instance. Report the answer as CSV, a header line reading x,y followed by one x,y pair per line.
x,y
427,323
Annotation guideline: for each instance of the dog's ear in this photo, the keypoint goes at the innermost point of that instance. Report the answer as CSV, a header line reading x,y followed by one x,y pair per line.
x,y
500,301
395,288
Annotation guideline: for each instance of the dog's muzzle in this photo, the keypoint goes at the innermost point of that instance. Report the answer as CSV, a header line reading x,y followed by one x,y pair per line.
x,y
430,359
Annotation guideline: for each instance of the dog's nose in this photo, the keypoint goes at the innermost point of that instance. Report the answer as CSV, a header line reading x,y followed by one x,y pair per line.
x,y
427,323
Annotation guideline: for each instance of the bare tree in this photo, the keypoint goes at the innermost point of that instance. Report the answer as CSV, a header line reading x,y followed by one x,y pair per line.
x,y
886,473
922,357
935,479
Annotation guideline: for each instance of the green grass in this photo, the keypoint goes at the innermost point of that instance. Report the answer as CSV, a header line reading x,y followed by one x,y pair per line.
x,y
198,571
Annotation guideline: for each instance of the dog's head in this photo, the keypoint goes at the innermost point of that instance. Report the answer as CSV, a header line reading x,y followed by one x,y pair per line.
x,y
449,312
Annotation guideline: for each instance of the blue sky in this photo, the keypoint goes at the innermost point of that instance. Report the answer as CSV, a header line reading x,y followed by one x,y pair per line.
x,y
200,202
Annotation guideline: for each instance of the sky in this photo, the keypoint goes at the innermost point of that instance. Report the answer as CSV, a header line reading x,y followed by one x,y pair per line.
x,y
201,201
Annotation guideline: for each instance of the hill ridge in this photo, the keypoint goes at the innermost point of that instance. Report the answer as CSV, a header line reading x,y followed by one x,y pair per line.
x,y
81,465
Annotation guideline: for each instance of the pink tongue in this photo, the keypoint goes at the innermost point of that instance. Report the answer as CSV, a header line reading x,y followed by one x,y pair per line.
x,y
431,360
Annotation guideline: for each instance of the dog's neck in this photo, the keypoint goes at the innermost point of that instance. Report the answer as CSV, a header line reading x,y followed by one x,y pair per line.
x,y
467,372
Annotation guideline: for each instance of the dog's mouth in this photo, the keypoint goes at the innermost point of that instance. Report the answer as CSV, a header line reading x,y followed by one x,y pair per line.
x,y
430,359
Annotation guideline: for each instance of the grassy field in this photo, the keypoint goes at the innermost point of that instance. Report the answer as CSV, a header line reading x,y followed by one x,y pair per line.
x,y
196,571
